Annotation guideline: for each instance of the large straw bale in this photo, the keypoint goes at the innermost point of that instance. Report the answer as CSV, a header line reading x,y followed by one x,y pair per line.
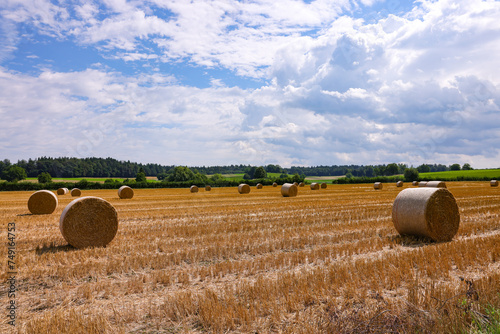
x,y
314,186
378,185
324,185
494,183
42,202
414,183
125,192
193,189
62,191
259,186
301,184
244,188
422,183
289,190
75,192
89,222
436,184
399,184
275,184
428,212
208,188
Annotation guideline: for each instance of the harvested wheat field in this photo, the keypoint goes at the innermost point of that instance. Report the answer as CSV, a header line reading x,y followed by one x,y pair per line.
x,y
321,262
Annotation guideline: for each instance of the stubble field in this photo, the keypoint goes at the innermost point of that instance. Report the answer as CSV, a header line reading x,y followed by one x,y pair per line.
x,y
326,261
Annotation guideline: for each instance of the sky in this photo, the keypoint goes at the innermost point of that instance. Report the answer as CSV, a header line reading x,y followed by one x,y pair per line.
x,y
219,82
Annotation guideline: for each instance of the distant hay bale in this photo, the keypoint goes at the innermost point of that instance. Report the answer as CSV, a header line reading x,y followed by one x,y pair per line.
x,y
414,183
494,183
301,184
314,186
244,188
75,192
296,184
89,222
42,202
275,184
378,185
259,186
324,185
62,191
193,189
422,183
428,212
399,184
289,190
125,192
436,184
208,188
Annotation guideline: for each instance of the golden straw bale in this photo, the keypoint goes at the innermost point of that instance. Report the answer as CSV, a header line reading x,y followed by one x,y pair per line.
x,y
436,184
193,189
428,212
314,186
296,183
378,185
399,184
422,183
289,190
414,183
301,184
324,185
42,202
275,184
259,186
89,222
75,192
62,191
208,188
494,183
244,188
125,192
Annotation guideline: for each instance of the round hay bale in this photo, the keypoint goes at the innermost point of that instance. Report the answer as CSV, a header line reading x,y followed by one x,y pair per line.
x,y
193,189
275,184
42,202
296,183
399,184
259,186
62,191
89,222
244,188
414,183
494,183
289,190
75,192
378,185
323,185
125,192
301,184
436,184
314,186
208,188
422,183
428,212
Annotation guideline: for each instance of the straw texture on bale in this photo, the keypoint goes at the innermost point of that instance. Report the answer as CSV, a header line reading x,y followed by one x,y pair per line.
x,y
323,185
422,183
301,184
42,202
289,190
428,212
436,184
399,184
296,183
378,185
494,183
244,188
208,188
415,183
275,184
89,222
75,192
259,186
314,186
125,192
193,189
62,191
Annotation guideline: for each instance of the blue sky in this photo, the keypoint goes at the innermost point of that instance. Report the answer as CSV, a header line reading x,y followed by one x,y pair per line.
x,y
254,82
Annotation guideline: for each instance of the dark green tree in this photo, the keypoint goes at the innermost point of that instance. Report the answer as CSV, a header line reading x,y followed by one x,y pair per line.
x,y
411,174
260,173
141,176
217,177
14,173
455,167
246,176
181,173
424,168
44,177
391,169
467,167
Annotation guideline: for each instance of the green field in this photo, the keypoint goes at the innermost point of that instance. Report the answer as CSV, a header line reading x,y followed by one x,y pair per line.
x,y
479,173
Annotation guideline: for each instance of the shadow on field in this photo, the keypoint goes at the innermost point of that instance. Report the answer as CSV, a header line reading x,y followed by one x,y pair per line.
x,y
24,214
53,249
411,241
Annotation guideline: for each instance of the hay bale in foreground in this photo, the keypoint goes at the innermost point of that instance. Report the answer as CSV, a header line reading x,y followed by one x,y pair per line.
x,y
208,188
399,184
378,185
323,185
259,186
414,183
244,188
75,192
62,191
275,184
422,183
436,184
125,192
289,190
193,189
428,212
494,183
301,184
314,186
42,202
89,222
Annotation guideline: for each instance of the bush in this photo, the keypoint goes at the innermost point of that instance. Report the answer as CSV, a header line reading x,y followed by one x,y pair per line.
x,y
44,178
14,173
411,174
